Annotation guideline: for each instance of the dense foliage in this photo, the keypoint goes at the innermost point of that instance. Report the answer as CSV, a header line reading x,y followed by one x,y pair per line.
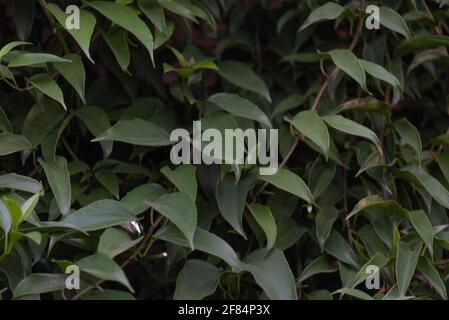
x,y
86,178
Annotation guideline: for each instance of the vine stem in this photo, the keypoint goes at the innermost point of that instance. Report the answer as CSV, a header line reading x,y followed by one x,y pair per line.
x,y
315,103
131,258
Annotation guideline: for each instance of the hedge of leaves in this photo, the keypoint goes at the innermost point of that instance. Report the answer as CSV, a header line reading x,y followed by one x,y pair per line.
x,y
85,171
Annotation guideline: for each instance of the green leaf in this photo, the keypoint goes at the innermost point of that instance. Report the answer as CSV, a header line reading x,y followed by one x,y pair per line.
x,y
317,266
427,269
394,21
103,267
406,261
443,163
264,217
203,241
74,73
15,212
374,202
241,107
7,48
353,128
38,283
115,241
337,246
179,209
184,178
59,179
98,215
422,224
138,132
409,135
27,59
28,207
5,125
118,42
5,218
348,62
353,293
12,143
43,82
231,198
290,182
198,279
289,103
380,72
272,273
24,13
128,19
310,125
432,185
154,11
19,182
324,220
97,121
82,35
108,179
40,121
137,200
244,77
328,11
421,43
